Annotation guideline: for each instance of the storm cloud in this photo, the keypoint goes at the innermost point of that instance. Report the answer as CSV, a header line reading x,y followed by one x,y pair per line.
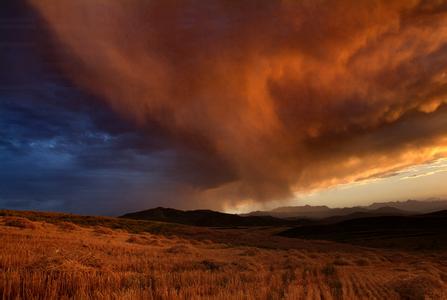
x,y
262,99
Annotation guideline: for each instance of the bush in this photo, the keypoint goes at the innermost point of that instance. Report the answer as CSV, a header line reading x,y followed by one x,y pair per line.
x,y
19,223
138,240
67,226
329,270
419,287
250,252
211,265
103,230
341,262
362,262
179,249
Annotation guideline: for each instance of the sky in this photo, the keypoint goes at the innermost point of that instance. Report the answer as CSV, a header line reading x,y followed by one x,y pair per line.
x,y
421,182
113,106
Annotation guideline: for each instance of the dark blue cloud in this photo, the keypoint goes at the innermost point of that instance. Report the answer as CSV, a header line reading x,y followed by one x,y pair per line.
x,y
60,149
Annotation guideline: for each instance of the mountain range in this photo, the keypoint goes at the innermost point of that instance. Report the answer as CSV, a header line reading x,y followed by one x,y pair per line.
x,y
383,208
287,216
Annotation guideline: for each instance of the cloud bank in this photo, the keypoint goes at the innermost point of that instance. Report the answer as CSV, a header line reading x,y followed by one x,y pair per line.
x,y
265,98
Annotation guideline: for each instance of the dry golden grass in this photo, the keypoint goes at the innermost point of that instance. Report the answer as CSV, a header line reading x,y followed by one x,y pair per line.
x,y
40,260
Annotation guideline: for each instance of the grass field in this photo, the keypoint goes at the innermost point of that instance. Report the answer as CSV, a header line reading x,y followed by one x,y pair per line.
x,y
55,256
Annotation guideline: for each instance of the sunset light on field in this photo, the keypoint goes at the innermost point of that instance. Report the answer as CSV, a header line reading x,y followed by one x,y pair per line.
x,y
223,149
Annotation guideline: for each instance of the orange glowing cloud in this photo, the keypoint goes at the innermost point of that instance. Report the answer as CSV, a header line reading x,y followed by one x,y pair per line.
x,y
288,95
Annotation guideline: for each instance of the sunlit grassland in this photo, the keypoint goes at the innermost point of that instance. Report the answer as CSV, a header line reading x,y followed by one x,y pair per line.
x,y
55,257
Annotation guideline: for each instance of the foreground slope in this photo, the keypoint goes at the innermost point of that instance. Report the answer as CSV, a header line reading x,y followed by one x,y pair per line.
x,y
62,260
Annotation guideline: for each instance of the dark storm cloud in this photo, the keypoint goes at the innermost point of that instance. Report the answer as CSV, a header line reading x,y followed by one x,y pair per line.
x,y
60,148
266,97
107,106
56,158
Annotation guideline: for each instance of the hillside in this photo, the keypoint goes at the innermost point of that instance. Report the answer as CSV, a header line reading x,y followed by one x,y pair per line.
x,y
426,231
61,256
380,212
208,218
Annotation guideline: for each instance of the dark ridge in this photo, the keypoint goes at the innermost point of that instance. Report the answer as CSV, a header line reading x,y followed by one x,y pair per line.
x,y
208,218
380,212
418,232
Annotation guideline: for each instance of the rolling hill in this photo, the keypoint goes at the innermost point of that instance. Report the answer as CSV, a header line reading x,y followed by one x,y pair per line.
x,y
208,218
418,232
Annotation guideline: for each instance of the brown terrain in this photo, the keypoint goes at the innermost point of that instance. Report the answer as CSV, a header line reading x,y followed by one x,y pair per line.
x,y
60,256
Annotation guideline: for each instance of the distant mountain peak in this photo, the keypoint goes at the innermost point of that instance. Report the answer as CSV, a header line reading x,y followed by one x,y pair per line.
x,y
409,206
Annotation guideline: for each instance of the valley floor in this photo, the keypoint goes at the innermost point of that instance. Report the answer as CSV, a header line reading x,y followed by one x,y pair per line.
x,y
62,260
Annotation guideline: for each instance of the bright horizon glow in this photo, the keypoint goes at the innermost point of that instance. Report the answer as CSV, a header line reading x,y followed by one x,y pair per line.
x,y
420,182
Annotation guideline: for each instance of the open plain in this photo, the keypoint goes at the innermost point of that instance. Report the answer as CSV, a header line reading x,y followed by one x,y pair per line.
x,y
55,256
